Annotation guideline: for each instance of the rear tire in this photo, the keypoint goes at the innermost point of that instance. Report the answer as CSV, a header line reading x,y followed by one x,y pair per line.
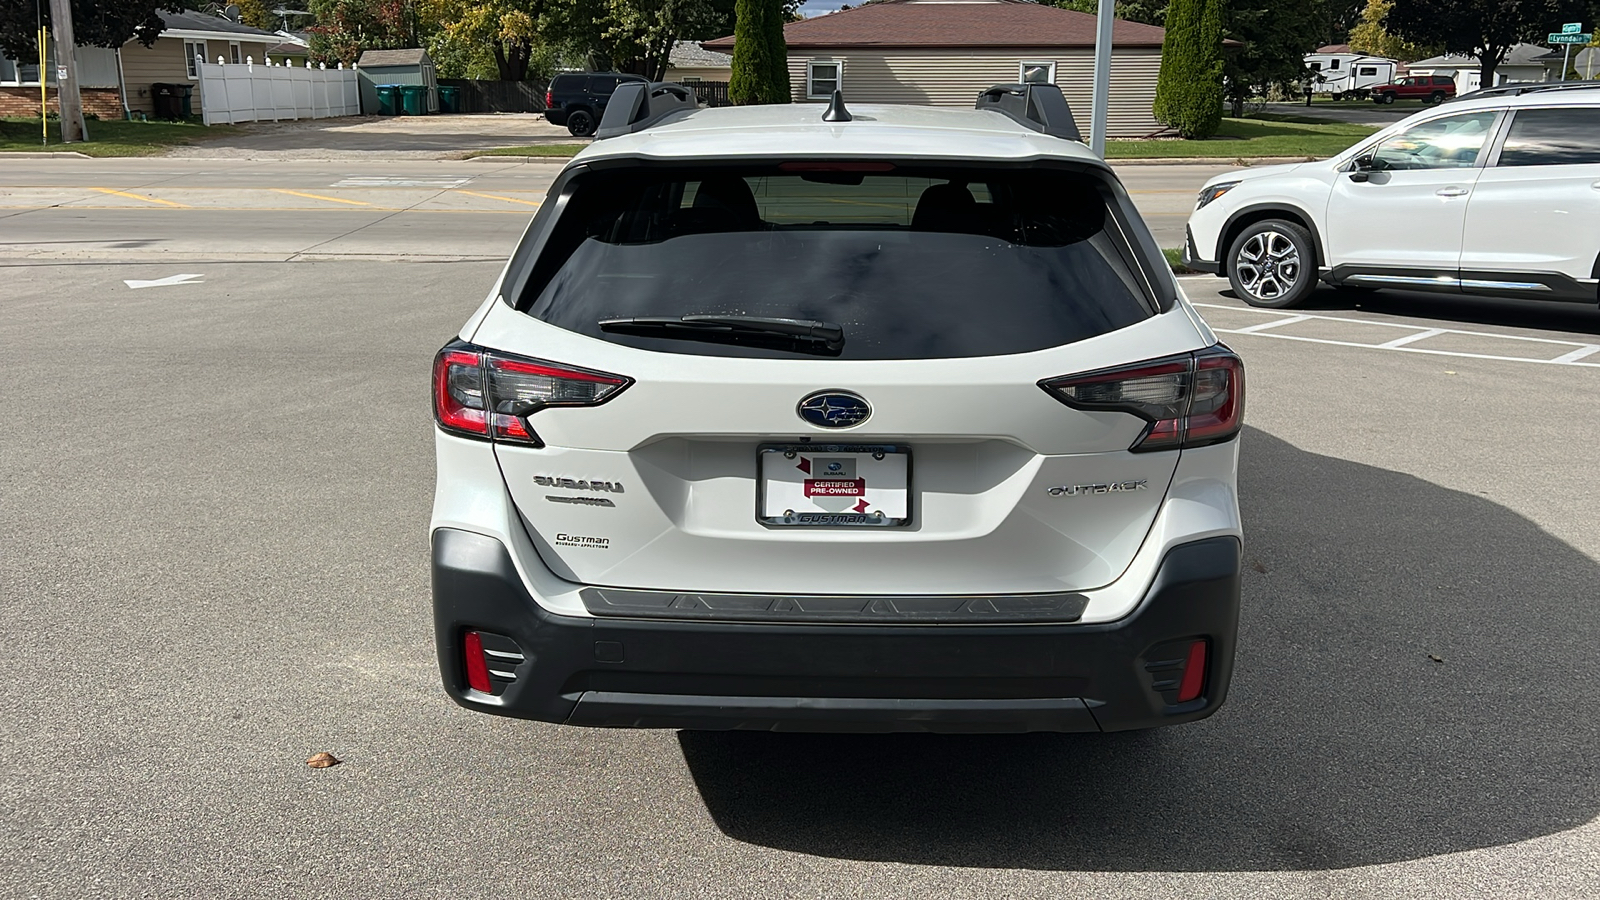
x,y
580,123
1273,264
1389,97
1337,97
1436,98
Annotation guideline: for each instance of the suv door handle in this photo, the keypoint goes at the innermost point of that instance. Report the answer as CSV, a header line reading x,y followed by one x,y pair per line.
x,y
1452,192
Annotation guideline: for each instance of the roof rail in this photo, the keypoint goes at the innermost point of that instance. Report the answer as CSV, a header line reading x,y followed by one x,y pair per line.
x,y
636,106
1037,106
1536,87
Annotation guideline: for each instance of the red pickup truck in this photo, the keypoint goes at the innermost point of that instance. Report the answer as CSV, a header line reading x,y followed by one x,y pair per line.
x,y
1432,88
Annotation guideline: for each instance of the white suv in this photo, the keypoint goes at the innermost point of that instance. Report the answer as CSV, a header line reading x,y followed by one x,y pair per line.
x,y
785,419
1497,193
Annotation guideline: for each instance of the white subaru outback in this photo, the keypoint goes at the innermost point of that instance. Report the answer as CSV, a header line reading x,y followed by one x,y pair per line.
x,y
891,419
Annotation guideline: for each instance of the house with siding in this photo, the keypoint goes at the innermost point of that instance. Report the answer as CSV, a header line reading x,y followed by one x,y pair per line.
x,y
690,63
944,52
114,81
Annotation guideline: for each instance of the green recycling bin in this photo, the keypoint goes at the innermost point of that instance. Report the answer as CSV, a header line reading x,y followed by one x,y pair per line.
x,y
414,99
388,99
449,99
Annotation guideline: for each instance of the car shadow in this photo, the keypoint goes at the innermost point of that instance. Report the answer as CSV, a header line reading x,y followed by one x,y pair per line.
x,y
1415,677
1455,310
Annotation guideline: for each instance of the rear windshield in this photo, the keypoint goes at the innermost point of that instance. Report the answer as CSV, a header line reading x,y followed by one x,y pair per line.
x,y
909,263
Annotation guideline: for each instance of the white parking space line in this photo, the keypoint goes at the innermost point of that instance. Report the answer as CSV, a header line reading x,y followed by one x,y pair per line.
x,y
1273,323
1411,338
1406,343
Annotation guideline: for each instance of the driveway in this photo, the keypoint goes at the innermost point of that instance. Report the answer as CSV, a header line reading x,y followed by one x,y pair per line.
x,y
1365,113
371,137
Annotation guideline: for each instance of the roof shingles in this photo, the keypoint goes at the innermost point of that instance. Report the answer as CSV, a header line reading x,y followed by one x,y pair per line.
x,y
943,23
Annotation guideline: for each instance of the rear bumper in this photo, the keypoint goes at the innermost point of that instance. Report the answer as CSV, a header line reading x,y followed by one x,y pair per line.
x,y
641,673
555,115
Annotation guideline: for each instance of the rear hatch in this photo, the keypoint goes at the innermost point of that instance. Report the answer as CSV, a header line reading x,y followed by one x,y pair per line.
x,y
832,378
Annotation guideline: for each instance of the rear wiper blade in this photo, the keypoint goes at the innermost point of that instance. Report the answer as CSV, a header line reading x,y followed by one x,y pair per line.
x,y
799,335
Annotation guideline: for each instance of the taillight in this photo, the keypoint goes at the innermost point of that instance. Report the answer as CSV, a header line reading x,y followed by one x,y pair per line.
x,y
482,394
1190,400
549,99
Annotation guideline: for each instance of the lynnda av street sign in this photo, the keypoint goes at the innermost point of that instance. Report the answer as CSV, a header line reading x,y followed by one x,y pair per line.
x,y
1569,38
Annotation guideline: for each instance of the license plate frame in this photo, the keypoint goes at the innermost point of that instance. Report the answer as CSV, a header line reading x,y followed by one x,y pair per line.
x,y
821,518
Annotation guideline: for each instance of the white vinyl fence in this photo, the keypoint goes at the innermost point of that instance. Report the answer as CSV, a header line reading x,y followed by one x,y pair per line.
x,y
260,92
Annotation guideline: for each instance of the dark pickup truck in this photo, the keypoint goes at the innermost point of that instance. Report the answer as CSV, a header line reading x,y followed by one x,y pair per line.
x,y
576,99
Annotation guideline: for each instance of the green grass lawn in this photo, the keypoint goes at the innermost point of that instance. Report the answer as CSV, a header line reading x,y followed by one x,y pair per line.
x,y
108,137
534,150
1263,135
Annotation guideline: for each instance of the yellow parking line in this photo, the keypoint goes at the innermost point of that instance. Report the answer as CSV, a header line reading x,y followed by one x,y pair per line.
x,y
320,197
498,197
139,197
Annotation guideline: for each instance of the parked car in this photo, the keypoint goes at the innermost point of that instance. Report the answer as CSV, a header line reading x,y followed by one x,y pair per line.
x,y
893,421
1497,194
1429,88
578,99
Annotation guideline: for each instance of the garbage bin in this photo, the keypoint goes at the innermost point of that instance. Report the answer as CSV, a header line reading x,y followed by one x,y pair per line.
x,y
449,98
184,98
388,99
164,99
414,99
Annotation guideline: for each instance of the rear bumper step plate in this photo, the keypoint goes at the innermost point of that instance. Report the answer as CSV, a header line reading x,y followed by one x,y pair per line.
x,y
876,609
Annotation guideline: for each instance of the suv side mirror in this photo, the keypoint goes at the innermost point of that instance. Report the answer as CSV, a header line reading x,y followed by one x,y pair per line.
x,y
1363,167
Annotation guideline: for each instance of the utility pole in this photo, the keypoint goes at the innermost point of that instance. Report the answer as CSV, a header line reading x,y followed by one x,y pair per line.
x,y
1102,77
72,127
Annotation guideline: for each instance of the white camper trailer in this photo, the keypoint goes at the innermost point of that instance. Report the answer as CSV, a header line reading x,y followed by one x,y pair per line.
x,y
1347,74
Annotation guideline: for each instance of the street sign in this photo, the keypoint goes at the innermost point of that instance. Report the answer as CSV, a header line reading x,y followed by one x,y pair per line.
x,y
1570,38
1572,28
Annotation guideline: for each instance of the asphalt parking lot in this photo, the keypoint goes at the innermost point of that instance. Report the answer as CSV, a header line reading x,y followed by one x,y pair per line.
x,y
216,495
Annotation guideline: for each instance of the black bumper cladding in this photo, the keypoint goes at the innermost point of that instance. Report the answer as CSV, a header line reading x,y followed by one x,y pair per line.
x,y
1191,258
815,676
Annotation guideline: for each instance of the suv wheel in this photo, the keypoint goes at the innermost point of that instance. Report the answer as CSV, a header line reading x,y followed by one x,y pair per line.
x,y
1436,98
1389,97
1273,264
580,122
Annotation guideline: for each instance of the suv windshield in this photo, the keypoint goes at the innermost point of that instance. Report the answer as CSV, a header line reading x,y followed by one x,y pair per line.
x,y
910,263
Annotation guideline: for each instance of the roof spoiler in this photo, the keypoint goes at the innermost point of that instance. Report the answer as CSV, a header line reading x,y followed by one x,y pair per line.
x,y
636,106
1037,106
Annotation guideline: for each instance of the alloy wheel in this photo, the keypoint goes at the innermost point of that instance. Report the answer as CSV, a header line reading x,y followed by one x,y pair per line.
x,y
1268,265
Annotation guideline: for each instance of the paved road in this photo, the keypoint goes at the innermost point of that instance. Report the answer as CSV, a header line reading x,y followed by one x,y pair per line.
x,y
214,565
1367,113
143,209
379,137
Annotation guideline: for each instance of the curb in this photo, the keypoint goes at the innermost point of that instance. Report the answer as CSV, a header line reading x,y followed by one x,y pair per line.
x,y
44,154
1212,161
517,159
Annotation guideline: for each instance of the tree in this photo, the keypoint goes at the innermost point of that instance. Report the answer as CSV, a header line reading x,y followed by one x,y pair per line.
x,y
96,23
1274,38
1372,38
1189,90
760,63
507,31
258,14
346,27
1482,28
1149,12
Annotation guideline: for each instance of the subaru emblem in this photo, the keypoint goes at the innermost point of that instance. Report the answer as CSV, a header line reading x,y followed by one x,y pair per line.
x,y
834,409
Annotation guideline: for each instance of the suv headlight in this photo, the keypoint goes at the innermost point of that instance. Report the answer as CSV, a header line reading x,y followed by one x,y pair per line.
x,y
1212,192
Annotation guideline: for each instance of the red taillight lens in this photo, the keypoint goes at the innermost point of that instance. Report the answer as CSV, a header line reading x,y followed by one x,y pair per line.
x,y
1194,673
1189,401
549,99
477,666
482,394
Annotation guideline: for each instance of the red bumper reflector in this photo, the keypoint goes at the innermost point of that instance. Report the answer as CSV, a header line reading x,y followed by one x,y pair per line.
x,y
1194,673
478,667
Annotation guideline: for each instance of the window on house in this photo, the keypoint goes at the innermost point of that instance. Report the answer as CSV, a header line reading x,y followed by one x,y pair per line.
x,y
16,72
822,79
233,53
1036,72
689,79
192,50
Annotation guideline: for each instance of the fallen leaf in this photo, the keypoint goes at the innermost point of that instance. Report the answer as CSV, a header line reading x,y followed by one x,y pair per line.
x,y
323,760
1437,659
1256,564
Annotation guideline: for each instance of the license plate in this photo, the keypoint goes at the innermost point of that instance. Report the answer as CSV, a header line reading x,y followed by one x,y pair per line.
x,y
834,485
